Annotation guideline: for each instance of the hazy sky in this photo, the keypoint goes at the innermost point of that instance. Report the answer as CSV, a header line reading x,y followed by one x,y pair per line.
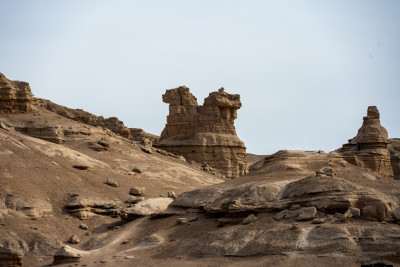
x,y
306,70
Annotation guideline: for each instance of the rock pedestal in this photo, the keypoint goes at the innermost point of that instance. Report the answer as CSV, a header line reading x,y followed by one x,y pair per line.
x,y
15,96
205,134
369,148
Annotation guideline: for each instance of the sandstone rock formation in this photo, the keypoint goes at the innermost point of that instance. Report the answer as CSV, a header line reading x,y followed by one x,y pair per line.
x,y
67,254
12,249
84,208
146,208
394,148
15,96
204,133
112,123
369,148
32,208
54,134
331,195
143,137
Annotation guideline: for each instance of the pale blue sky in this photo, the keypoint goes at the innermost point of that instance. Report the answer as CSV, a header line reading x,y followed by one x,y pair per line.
x,y
306,70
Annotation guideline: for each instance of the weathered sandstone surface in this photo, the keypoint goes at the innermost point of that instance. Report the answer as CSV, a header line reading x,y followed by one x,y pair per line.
x,y
369,148
12,249
204,133
326,193
143,137
85,208
112,123
394,148
15,96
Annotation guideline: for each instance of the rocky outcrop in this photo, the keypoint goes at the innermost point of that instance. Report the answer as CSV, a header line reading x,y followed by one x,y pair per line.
x,y
324,192
366,243
206,133
112,123
12,250
32,208
143,137
146,208
67,254
85,208
394,148
15,96
331,195
54,134
369,148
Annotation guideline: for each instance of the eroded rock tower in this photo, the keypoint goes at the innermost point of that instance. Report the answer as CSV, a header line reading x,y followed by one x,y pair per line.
x,y
369,148
204,133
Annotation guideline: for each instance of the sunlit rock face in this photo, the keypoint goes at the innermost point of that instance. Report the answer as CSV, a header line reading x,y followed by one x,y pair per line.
x,y
369,148
206,133
15,96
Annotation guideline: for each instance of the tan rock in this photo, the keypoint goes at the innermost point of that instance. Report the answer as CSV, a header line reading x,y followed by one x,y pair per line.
x,y
15,96
86,207
355,212
369,148
374,212
54,134
112,123
306,214
33,208
146,208
204,133
137,191
394,148
67,254
330,194
74,240
12,250
143,137
182,220
249,219
112,182
326,171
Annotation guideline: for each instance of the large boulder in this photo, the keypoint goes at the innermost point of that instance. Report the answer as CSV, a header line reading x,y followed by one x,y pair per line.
x,y
86,207
146,208
204,133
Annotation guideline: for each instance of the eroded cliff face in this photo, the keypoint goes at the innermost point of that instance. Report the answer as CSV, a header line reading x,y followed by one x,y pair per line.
x,y
394,148
204,133
369,148
15,96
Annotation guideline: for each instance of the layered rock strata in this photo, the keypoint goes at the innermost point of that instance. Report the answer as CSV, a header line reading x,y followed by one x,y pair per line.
x,y
324,192
85,208
112,123
15,96
394,148
369,148
204,133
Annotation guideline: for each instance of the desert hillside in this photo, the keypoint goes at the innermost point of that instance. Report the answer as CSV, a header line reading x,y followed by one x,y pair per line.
x,y
82,190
